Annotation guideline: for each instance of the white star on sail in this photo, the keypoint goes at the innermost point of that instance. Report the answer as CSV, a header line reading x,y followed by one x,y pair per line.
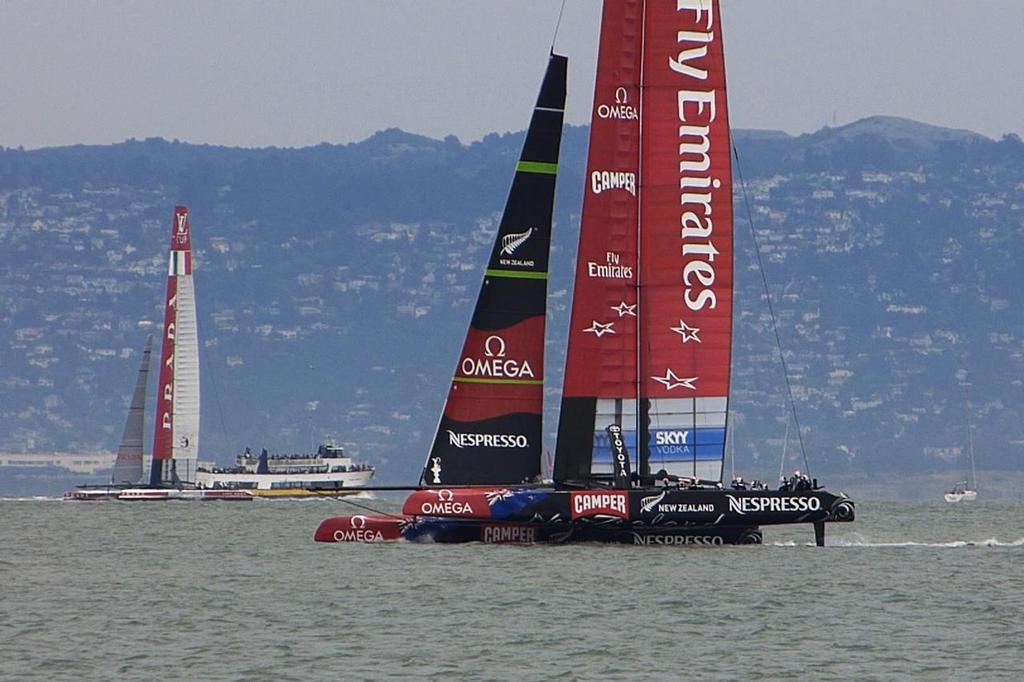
x,y
687,332
670,380
598,329
624,309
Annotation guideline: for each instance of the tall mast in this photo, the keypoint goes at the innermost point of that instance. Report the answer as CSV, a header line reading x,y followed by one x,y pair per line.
x,y
970,439
643,465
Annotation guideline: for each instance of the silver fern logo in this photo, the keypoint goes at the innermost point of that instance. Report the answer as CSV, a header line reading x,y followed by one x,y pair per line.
x,y
511,242
648,503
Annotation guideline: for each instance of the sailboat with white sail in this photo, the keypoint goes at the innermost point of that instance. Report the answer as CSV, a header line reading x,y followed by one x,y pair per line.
x,y
643,419
966,490
176,429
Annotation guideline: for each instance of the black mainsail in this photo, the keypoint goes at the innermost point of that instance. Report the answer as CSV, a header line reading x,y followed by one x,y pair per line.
x,y
490,430
128,465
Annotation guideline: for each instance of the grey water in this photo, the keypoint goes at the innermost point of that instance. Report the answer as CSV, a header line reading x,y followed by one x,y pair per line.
x,y
226,591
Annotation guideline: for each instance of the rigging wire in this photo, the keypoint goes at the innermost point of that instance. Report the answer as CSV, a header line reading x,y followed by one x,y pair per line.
x,y
785,447
204,356
771,309
557,25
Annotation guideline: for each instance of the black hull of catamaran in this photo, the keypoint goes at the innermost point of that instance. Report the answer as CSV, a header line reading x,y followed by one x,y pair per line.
x,y
430,529
448,531
662,508
636,516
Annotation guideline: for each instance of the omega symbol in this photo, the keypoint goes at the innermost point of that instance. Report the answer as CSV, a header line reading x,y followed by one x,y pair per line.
x,y
493,342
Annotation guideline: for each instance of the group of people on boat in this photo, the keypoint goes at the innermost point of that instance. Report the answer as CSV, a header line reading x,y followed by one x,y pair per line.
x,y
739,484
323,453
797,481
663,479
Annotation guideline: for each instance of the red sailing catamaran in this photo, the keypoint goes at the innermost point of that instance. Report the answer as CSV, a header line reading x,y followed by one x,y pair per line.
x,y
648,362
176,431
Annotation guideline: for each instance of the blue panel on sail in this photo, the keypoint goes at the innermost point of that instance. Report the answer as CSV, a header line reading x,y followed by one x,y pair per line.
x,y
678,444
710,437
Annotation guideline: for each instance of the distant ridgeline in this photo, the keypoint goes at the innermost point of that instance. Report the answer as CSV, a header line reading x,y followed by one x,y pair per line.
x,y
336,283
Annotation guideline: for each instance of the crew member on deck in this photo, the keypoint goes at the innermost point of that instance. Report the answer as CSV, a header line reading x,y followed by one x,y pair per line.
x,y
662,479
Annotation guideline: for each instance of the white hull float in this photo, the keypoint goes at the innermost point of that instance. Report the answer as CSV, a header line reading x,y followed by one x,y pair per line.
x,y
92,494
961,496
169,494
155,494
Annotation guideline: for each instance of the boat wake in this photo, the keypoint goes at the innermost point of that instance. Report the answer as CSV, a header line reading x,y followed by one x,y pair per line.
x,y
953,544
37,498
320,497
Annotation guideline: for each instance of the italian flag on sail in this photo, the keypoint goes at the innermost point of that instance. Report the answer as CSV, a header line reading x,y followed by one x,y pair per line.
x,y
180,263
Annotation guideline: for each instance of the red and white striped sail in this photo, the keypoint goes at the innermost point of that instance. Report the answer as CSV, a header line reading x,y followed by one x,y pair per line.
x,y
652,311
176,439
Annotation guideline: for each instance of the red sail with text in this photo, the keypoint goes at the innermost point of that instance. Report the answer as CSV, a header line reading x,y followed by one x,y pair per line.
x,y
602,336
600,374
686,235
180,263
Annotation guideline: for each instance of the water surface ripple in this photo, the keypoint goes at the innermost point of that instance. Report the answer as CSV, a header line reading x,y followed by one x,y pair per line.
x,y
221,591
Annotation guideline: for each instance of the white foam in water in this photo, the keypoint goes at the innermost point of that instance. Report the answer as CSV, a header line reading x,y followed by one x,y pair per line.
x,y
37,498
855,540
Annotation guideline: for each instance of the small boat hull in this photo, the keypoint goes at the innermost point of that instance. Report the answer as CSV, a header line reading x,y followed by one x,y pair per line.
x,y
155,495
165,494
291,493
961,496
92,494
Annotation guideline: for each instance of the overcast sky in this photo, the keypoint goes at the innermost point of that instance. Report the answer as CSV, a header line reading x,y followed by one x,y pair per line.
x,y
299,73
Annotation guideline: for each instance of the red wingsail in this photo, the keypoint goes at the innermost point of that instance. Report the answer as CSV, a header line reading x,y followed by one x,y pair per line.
x,y
177,440
686,238
600,373
652,306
